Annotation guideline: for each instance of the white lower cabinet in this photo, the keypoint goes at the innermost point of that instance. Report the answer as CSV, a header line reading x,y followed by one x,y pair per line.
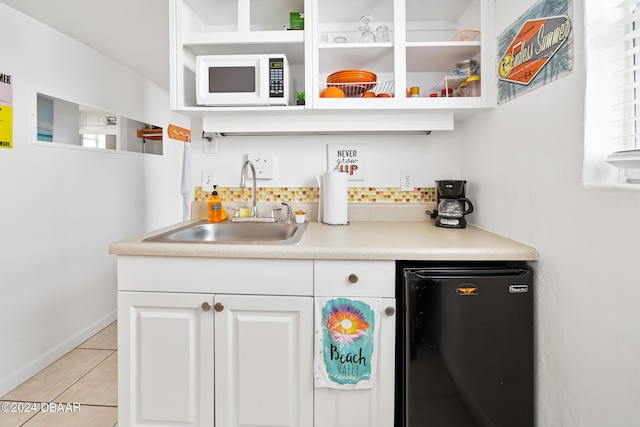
x,y
366,407
195,354
263,360
369,407
165,359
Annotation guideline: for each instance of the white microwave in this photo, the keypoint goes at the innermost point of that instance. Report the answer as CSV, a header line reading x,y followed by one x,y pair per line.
x,y
238,80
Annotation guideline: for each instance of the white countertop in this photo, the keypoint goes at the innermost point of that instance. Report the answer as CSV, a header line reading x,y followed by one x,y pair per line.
x,y
360,240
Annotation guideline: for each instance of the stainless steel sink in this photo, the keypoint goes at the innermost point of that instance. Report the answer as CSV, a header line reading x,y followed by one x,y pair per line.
x,y
238,233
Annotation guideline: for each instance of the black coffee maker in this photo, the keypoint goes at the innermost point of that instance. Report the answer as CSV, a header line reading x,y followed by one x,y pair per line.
x,y
452,204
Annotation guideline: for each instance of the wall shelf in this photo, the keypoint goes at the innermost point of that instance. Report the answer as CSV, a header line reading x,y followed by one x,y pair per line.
x,y
420,52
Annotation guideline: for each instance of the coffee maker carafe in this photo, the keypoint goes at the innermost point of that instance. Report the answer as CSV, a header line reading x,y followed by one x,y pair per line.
x,y
452,204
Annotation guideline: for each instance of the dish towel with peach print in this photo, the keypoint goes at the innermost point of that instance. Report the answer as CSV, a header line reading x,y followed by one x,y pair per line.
x,y
346,342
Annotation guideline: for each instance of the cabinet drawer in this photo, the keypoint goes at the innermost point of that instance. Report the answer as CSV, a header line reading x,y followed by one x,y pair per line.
x,y
354,278
216,275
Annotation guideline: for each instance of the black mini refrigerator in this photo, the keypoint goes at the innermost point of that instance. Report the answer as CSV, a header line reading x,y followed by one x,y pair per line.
x,y
465,345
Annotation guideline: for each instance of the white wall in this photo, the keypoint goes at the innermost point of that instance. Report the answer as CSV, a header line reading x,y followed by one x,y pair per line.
x,y
524,164
61,207
298,159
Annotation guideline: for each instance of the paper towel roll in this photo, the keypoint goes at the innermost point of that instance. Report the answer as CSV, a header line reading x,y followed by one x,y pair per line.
x,y
334,198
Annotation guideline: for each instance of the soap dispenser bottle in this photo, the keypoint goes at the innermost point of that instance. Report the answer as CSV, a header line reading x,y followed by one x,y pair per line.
x,y
214,207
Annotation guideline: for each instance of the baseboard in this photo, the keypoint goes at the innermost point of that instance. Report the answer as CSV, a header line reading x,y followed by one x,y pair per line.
x,y
36,365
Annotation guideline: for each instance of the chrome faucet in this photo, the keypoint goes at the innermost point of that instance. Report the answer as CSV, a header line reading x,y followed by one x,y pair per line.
x,y
287,218
254,209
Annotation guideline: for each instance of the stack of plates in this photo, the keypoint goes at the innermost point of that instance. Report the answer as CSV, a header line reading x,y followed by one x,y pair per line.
x,y
352,76
352,82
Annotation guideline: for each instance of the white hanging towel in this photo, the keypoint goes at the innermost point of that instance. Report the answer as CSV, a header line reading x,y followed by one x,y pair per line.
x,y
346,342
185,184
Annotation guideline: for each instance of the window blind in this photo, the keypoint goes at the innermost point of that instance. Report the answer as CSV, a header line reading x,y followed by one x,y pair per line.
x,y
624,84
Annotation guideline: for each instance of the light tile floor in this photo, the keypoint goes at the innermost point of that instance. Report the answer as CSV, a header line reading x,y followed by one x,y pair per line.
x,y
79,389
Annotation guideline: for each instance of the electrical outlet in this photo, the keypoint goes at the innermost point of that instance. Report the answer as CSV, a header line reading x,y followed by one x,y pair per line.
x,y
210,145
406,180
263,164
208,179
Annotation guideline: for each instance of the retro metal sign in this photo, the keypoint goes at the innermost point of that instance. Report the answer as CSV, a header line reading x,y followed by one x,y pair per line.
x,y
535,50
532,48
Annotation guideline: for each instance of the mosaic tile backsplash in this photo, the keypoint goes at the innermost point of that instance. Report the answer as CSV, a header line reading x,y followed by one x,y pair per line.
x,y
311,194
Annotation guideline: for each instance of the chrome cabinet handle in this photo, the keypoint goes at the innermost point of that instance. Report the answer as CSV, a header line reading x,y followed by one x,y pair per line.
x,y
205,306
389,311
218,307
353,278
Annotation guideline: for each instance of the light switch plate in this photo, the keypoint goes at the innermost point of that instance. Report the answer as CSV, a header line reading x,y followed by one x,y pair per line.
x,y
208,179
263,164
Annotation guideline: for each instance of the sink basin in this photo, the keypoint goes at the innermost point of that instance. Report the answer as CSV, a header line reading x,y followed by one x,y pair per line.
x,y
239,233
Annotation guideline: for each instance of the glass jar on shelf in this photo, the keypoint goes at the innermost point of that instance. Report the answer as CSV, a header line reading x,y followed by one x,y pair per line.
x,y
462,89
473,86
366,35
446,92
382,34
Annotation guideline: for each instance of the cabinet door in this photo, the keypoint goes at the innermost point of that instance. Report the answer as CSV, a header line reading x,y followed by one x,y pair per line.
x,y
264,361
165,359
370,407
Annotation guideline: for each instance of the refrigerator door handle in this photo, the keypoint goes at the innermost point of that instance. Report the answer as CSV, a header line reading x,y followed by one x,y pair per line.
x,y
446,273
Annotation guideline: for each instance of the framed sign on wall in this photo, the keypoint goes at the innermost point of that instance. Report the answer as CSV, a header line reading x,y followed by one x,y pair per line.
x,y
535,50
346,158
6,111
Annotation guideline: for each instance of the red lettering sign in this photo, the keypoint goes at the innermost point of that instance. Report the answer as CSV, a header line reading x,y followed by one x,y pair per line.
x,y
534,45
